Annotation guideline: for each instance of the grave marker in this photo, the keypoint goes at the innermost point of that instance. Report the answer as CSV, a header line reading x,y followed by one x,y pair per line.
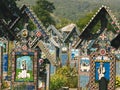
x,y
83,72
106,61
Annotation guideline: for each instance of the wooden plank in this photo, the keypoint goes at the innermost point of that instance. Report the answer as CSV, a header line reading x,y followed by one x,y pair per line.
x,y
1,55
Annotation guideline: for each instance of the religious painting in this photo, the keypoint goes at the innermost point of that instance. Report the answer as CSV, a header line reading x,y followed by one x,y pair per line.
x,y
102,67
102,70
24,68
84,64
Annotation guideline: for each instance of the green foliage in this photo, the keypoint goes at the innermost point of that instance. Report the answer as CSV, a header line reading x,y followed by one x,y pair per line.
x,y
64,77
117,84
31,26
43,10
5,85
70,74
75,9
57,81
24,79
83,21
111,27
96,27
62,22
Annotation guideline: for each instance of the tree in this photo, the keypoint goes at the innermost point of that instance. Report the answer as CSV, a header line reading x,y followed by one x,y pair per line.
x,y
83,21
9,9
43,10
62,23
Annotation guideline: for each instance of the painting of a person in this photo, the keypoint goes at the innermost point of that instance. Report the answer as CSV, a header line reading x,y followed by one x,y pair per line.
x,y
23,73
24,65
102,80
101,71
24,68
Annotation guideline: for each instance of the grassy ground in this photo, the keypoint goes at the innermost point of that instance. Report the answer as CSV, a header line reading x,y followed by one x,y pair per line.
x,y
25,79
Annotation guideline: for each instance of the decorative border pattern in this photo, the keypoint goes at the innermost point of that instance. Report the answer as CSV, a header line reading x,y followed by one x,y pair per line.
x,y
111,84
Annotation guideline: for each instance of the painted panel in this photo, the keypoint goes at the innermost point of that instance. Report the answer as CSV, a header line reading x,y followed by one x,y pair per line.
x,y
64,58
84,68
5,62
52,69
85,64
118,68
84,81
105,72
52,50
24,68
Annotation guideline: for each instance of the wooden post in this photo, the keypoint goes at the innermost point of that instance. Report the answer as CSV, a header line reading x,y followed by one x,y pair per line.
x,y
1,55
78,73
48,77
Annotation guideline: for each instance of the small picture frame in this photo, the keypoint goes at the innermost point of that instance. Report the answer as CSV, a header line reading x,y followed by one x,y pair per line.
x,y
102,69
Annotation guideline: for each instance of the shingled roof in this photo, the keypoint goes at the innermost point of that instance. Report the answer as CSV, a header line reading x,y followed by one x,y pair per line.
x,y
71,33
68,28
52,27
24,11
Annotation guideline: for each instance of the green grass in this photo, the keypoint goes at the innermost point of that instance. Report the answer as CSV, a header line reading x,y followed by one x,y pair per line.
x,y
25,79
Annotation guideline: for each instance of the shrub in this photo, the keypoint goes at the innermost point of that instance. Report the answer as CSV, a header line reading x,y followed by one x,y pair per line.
x,y
57,81
117,84
64,77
